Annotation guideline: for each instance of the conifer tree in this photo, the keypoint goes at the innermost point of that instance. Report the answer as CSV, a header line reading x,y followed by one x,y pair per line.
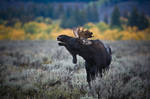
x,y
68,12
106,19
58,12
92,13
72,20
82,18
126,14
133,18
95,15
143,22
115,18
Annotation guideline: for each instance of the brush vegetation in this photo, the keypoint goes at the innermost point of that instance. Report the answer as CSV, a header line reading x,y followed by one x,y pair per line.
x,y
41,69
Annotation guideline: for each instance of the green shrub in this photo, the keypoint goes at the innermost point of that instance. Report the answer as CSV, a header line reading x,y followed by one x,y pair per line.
x,y
31,27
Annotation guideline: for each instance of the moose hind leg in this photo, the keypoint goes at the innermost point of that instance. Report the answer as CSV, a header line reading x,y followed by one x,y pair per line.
x,y
88,79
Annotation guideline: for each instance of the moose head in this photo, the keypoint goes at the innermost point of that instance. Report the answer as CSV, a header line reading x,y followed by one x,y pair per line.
x,y
71,44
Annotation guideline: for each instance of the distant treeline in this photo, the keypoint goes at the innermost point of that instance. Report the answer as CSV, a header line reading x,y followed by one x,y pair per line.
x,y
133,19
116,1
71,16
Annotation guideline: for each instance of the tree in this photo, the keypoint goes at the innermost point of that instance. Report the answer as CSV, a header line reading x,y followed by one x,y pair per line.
x,y
88,13
133,18
58,12
106,19
68,12
64,22
49,10
143,22
82,18
31,27
70,20
115,18
138,20
126,14
92,13
74,18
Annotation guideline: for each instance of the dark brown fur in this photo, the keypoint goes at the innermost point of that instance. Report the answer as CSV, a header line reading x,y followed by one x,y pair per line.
x,y
97,57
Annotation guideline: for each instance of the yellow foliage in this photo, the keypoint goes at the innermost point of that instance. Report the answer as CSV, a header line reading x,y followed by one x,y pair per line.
x,y
4,32
51,31
96,33
17,25
90,24
17,34
68,32
124,20
110,34
43,26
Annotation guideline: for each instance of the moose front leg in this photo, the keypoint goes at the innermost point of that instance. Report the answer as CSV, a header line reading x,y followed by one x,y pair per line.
x,y
74,60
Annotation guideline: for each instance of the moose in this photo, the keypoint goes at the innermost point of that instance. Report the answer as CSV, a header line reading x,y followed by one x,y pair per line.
x,y
96,54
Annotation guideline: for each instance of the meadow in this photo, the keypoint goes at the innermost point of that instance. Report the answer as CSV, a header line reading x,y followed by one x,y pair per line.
x,y
40,69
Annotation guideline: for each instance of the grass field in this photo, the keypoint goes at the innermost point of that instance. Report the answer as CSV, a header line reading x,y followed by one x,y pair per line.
x,y
43,70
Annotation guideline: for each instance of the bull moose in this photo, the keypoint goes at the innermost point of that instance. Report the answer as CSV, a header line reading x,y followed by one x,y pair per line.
x,y
97,55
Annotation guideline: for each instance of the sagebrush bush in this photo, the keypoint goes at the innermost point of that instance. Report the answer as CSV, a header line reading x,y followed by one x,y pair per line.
x,y
124,79
39,69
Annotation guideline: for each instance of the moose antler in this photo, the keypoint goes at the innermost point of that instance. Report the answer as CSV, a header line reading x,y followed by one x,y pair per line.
x,y
76,31
82,34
